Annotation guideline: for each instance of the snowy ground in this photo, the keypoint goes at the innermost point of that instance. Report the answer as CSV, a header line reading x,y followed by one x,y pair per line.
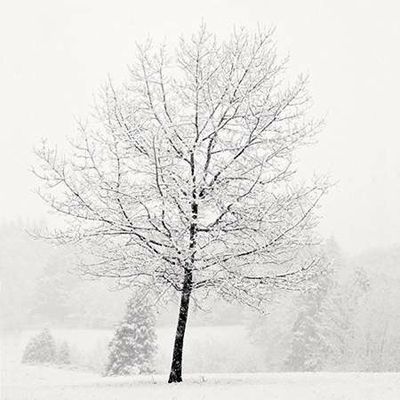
x,y
21,382
41,383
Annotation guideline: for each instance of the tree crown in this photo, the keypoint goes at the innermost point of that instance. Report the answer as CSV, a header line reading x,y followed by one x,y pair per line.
x,y
189,166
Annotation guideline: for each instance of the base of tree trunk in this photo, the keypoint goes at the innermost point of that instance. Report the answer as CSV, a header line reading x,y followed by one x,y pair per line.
x,y
174,377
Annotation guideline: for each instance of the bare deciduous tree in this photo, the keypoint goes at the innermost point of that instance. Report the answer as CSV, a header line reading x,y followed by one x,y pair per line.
x,y
183,179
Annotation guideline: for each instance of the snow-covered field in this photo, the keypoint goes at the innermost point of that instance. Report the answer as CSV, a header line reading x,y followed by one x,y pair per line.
x,y
41,383
21,382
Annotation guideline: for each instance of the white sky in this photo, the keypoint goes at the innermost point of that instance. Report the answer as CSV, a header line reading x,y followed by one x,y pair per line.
x,y
54,54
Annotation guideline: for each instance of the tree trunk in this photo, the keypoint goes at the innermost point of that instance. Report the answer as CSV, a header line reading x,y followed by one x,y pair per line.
x,y
176,366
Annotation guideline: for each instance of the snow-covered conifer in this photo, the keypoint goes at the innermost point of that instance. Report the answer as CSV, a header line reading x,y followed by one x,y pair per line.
x,y
63,355
133,346
308,347
323,324
40,349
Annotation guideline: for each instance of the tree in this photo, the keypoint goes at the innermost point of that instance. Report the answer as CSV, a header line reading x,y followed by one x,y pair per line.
x,y
324,329
63,354
40,349
184,178
133,346
309,349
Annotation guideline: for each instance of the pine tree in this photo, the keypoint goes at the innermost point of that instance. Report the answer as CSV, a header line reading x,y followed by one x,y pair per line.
x,y
308,347
63,354
40,349
323,326
133,346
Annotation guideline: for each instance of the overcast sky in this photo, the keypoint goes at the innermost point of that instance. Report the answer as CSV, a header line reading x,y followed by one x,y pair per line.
x,y
55,54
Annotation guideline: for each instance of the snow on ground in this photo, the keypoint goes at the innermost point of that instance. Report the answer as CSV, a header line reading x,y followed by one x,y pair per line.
x,y
41,383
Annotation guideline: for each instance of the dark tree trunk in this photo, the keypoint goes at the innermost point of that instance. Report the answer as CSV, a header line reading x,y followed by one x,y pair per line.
x,y
176,366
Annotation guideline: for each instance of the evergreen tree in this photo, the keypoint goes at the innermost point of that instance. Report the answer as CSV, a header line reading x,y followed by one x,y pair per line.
x,y
63,356
40,349
323,323
308,347
133,346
